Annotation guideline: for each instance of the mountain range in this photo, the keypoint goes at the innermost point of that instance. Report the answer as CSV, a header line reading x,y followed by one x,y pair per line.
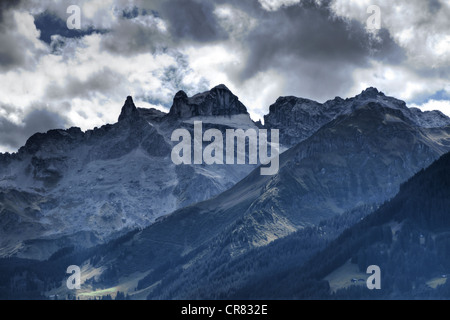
x,y
301,117
111,200
69,186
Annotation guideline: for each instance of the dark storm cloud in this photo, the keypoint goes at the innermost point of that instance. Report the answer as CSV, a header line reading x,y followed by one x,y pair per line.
x,y
192,20
316,50
14,135
11,54
15,48
306,43
434,6
386,49
188,21
5,6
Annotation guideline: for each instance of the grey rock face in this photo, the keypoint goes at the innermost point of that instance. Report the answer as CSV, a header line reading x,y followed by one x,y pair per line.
x,y
220,101
129,110
296,118
152,115
299,118
357,159
106,181
119,177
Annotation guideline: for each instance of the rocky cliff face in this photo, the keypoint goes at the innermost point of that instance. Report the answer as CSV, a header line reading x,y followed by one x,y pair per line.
x,y
356,160
92,186
129,111
109,180
299,118
72,188
220,101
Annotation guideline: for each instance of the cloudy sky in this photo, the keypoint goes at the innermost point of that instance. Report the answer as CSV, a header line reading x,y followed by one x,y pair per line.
x,y
53,77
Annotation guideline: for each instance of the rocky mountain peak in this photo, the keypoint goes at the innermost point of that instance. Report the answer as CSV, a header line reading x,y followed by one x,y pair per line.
x,y
221,87
219,101
371,93
129,110
299,118
181,95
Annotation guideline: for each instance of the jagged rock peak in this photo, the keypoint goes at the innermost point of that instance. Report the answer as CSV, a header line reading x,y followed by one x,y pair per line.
x,y
371,93
181,95
221,87
129,110
219,101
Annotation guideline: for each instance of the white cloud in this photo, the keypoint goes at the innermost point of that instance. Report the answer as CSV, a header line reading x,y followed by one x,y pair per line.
x,y
140,57
72,83
420,27
274,5
236,22
396,80
20,45
262,91
441,105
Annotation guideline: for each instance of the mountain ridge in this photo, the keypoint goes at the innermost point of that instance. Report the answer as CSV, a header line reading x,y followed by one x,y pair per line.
x,y
299,117
80,191
219,101
78,167
201,105
105,179
259,210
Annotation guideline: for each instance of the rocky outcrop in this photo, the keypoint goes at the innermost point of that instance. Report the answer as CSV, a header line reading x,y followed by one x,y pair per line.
x,y
297,118
129,110
220,101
